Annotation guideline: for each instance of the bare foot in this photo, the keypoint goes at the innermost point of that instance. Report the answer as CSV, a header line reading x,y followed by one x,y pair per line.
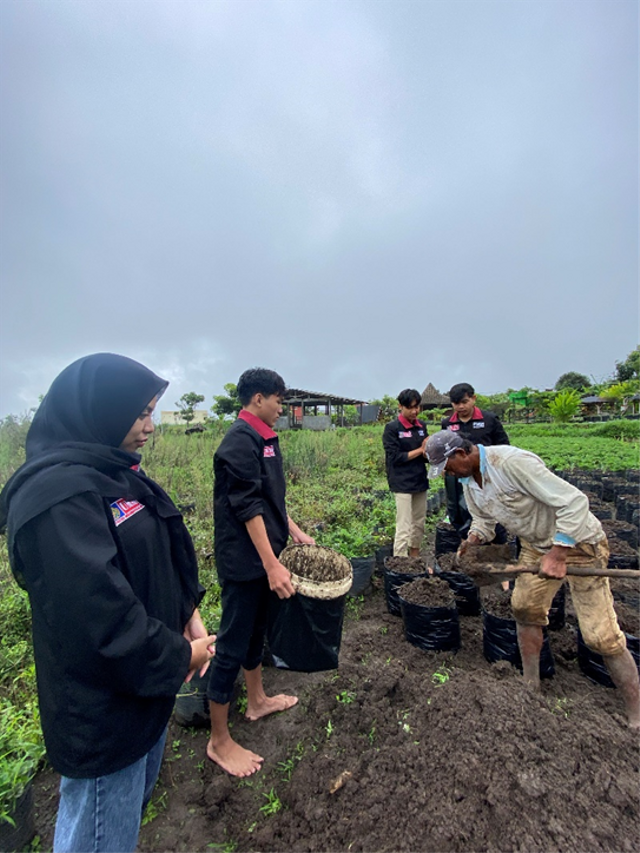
x,y
270,705
235,759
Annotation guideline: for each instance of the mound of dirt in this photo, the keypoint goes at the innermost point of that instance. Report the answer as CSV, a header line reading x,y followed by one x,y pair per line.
x,y
407,750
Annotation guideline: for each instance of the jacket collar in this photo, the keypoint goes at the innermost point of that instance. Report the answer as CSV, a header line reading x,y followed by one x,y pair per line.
x,y
259,426
476,416
407,424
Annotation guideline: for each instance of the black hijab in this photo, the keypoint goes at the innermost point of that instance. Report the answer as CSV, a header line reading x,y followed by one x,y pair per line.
x,y
73,445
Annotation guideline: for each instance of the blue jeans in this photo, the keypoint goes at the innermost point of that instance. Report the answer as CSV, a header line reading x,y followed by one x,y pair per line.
x,y
103,815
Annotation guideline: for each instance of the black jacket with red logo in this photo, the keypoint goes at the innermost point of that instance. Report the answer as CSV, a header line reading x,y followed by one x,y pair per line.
x,y
483,428
249,481
405,475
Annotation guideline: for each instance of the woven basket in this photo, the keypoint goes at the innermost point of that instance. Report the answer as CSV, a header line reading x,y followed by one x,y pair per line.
x,y
316,571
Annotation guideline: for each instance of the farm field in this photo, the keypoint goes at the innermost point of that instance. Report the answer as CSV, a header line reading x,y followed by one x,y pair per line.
x,y
399,749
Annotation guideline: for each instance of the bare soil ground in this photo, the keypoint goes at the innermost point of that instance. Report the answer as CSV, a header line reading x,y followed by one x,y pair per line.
x,y
407,750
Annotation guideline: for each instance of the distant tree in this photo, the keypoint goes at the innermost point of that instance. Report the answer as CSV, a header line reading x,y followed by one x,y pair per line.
x,y
187,404
564,405
226,406
572,380
619,394
630,367
388,407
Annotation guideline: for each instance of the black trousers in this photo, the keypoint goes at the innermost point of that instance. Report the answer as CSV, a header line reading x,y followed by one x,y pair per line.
x,y
240,642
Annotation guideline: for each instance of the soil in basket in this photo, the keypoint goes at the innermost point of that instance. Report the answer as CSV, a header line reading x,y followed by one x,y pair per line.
x,y
324,565
428,592
407,565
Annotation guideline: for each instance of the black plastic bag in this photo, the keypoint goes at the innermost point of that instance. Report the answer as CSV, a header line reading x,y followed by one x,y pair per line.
x,y
431,628
500,642
592,664
447,538
192,706
465,590
362,571
304,634
381,555
392,583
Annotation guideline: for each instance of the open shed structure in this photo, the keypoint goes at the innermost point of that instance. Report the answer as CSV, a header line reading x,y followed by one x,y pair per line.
x,y
313,410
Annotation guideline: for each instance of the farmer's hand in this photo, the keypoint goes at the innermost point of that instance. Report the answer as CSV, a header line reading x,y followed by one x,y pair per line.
x,y
554,563
202,650
472,539
280,580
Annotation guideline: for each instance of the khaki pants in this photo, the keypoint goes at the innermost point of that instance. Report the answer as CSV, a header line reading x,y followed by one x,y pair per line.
x,y
592,599
410,513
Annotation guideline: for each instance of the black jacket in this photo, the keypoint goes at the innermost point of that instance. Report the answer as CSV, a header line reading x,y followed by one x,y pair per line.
x,y
483,428
405,475
109,607
249,481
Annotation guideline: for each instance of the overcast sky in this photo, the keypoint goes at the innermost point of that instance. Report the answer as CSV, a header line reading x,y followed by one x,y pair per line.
x,y
364,195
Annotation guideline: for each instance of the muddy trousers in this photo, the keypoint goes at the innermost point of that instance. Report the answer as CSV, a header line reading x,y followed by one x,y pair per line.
x,y
411,510
591,596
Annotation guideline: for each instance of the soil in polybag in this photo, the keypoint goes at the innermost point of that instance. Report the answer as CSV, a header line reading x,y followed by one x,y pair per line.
x,y
466,592
499,635
430,615
304,634
412,568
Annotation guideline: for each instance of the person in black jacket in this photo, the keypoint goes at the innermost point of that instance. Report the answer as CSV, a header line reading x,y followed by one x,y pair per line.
x,y
112,580
478,427
403,441
251,529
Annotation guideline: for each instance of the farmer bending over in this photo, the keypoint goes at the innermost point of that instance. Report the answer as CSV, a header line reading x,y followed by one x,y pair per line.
x,y
251,529
556,529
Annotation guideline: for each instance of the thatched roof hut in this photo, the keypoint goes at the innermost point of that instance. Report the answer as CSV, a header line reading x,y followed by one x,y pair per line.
x,y
433,399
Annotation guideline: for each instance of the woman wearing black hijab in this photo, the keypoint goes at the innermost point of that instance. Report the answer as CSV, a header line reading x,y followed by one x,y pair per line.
x,y
113,585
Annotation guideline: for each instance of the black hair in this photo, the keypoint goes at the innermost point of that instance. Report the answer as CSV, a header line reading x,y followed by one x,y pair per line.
x,y
462,389
259,380
406,397
466,445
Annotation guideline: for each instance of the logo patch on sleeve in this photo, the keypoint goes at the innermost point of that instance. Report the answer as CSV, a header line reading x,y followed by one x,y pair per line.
x,y
269,450
122,510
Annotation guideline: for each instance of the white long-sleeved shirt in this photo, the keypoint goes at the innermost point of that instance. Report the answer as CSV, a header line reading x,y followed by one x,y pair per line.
x,y
520,492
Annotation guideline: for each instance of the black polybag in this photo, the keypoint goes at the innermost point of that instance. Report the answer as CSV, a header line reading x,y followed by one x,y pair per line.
x,y
362,568
592,664
431,628
500,642
192,705
447,539
304,633
392,583
465,590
